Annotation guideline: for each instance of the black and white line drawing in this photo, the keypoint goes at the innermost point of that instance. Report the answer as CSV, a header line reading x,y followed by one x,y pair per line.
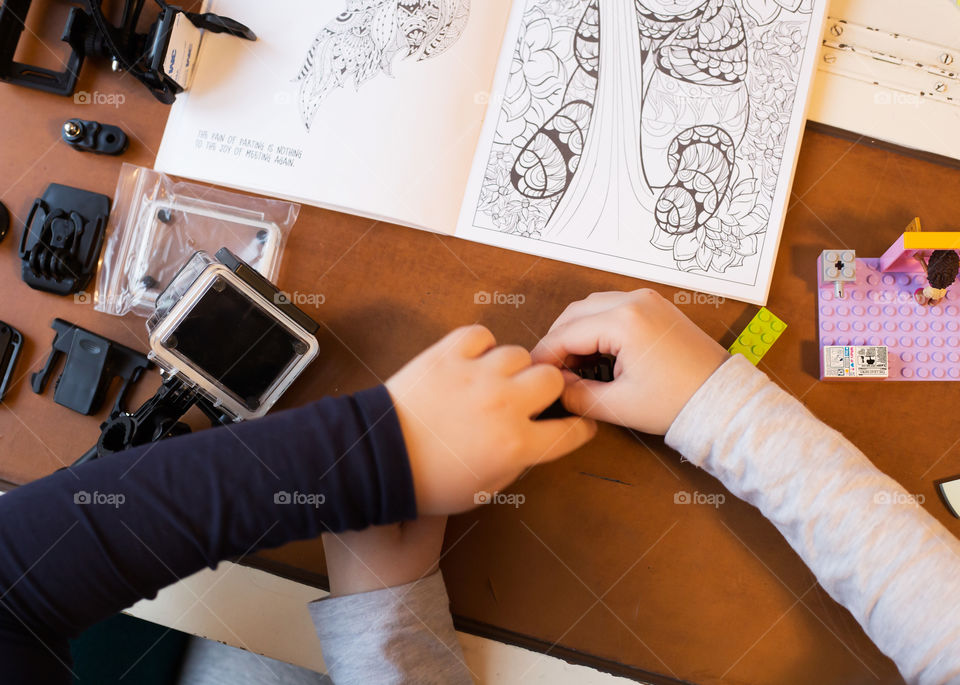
x,y
365,39
666,118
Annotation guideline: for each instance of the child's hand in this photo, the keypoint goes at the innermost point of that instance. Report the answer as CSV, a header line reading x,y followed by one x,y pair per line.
x,y
662,358
466,409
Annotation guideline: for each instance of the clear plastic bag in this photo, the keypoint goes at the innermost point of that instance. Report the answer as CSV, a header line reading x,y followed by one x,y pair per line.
x,y
157,224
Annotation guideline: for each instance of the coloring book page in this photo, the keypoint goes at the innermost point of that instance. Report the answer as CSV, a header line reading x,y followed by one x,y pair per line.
x,y
651,138
371,107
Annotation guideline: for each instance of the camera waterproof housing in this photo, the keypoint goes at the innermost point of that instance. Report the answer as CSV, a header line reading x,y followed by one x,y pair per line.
x,y
224,330
227,341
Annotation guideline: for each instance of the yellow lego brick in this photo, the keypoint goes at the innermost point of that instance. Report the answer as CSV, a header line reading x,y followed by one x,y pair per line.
x,y
759,335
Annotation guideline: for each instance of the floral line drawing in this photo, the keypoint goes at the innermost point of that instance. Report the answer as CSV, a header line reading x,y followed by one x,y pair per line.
x,y
366,38
678,112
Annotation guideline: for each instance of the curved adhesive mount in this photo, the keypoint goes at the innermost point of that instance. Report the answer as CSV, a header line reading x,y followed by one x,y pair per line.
x,y
62,238
92,136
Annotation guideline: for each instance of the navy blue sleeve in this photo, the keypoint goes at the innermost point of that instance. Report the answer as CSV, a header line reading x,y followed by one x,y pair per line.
x,y
84,543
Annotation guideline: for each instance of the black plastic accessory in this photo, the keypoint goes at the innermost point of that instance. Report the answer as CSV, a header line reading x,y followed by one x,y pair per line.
x,y
159,417
89,34
92,363
10,343
62,239
4,221
13,15
92,136
594,368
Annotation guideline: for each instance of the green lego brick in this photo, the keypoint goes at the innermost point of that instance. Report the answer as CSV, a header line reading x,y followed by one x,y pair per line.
x,y
759,335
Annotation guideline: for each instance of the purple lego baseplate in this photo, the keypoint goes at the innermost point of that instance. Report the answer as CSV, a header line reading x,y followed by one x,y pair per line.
x,y
923,342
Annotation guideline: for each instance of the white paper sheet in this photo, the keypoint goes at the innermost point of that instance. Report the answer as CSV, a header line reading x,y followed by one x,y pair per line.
x,y
398,146
655,139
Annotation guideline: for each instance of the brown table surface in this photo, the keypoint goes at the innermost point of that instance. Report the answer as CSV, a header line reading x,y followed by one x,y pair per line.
x,y
599,564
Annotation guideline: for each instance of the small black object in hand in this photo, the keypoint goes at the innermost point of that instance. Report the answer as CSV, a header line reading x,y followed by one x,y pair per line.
x,y
595,368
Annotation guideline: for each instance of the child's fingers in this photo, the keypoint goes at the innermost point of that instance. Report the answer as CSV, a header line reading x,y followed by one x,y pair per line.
x,y
594,399
592,304
507,359
469,341
556,438
584,336
537,387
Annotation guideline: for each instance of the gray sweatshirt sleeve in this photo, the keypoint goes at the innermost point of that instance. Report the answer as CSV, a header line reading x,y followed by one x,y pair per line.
x,y
401,634
870,545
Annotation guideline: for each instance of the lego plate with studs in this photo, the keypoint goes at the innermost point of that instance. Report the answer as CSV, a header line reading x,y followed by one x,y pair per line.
x,y
923,341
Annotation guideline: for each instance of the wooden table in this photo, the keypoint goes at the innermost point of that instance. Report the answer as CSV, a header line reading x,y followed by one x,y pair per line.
x,y
599,564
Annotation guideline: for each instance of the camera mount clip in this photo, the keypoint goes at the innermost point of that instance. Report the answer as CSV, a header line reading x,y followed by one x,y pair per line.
x,y
88,33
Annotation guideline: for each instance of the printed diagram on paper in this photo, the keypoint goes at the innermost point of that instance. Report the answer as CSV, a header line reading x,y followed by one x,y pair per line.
x,y
663,133
364,40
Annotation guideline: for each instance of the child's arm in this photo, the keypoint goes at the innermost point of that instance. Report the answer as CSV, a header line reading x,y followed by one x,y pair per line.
x,y
84,543
875,551
388,617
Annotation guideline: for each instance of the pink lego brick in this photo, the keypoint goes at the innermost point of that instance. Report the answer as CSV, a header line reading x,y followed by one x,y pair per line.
x,y
901,256
923,342
898,258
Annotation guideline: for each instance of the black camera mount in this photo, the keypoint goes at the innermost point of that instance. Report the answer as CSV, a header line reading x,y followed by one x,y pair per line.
x,y
89,34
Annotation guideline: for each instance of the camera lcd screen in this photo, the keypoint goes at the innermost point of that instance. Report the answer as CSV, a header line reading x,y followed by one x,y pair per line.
x,y
234,341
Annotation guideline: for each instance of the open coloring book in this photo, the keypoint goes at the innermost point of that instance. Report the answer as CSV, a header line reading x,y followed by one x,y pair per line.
x,y
653,138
